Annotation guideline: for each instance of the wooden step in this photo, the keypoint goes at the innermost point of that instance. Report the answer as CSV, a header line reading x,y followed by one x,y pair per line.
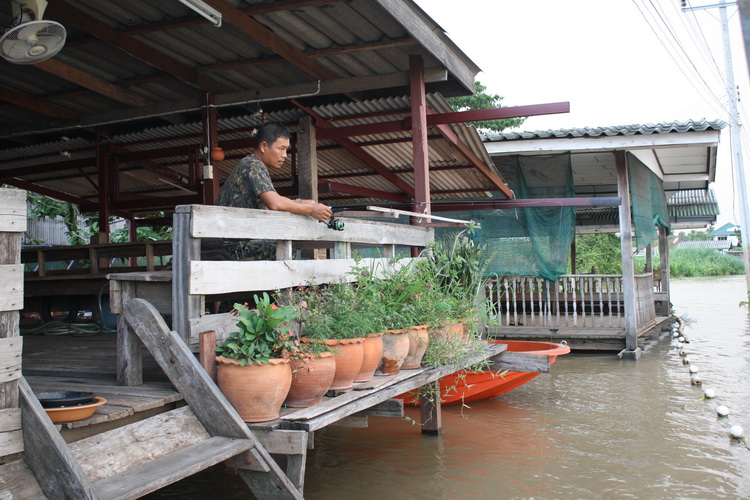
x,y
151,476
136,459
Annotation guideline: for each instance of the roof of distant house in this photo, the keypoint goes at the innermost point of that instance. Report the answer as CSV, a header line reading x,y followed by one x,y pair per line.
x,y
728,229
714,244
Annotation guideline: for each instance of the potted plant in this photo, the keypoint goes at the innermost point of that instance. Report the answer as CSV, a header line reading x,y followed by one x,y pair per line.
x,y
313,370
335,315
254,370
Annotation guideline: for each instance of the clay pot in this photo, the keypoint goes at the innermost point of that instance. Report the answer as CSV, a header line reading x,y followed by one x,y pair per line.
x,y
311,379
418,339
372,354
348,354
256,391
395,350
217,154
449,331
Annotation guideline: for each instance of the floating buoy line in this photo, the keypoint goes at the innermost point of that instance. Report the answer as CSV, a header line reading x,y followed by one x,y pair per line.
x,y
736,432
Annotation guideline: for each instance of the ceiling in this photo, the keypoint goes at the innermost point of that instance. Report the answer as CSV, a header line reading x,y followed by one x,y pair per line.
x,y
138,78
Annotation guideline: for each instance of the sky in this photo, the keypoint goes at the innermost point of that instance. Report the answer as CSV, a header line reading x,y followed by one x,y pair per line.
x,y
618,62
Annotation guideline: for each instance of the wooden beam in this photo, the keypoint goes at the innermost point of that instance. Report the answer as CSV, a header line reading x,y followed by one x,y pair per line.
x,y
86,80
252,28
420,146
68,14
34,104
331,186
441,118
449,135
626,247
307,159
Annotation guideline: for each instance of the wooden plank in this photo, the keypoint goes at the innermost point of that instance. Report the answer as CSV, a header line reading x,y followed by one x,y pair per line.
x,y
223,324
11,435
153,475
208,403
431,416
334,409
17,482
285,442
10,359
12,210
224,277
388,408
11,276
520,362
114,452
219,222
129,346
207,351
48,456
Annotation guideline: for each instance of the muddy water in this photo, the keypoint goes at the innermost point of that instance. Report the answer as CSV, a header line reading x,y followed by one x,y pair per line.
x,y
594,427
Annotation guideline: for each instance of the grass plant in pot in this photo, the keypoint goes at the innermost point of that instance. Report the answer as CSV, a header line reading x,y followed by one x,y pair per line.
x,y
337,316
254,370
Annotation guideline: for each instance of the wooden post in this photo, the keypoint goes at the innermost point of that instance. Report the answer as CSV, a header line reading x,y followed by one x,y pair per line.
x,y
129,347
573,255
429,411
649,259
626,247
419,135
307,159
185,249
207,352
103,165
664,263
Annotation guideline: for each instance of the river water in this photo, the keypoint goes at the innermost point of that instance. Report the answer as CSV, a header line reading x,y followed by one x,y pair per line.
x,y
593,428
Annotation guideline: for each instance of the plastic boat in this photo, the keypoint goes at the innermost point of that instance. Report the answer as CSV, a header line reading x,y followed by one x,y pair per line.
x,y
466,386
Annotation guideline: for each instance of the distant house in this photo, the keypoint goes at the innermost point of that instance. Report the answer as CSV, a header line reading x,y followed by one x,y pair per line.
x,y
728,232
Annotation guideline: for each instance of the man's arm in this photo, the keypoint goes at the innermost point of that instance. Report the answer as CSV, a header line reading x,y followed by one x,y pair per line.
x,y
274,201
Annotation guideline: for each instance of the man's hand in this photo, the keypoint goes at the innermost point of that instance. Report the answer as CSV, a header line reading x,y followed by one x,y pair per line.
x,y
320,211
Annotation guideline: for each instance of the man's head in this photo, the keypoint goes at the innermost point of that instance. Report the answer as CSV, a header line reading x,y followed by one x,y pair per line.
x,y
272,143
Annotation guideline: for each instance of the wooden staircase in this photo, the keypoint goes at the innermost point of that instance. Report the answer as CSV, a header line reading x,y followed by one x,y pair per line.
x,y
131,461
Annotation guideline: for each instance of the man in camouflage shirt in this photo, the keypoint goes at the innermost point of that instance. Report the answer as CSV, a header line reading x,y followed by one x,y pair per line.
x,y
250,186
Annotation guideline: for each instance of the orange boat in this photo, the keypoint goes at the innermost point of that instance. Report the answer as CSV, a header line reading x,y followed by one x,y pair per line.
x,y
465,386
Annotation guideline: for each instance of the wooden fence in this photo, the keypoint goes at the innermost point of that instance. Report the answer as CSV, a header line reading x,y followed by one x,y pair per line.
x,y
571,301
12,226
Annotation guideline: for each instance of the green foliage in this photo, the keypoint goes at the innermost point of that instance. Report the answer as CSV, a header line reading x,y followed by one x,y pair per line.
x,y
693,262
143,233
44,207
598,254
696,235
263,333
482,100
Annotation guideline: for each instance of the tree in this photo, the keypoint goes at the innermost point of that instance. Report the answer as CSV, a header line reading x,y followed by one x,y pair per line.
x,y
482,100
598,254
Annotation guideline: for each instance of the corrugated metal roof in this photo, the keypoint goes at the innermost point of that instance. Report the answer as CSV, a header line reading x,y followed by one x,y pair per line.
x,y
619,130
712,244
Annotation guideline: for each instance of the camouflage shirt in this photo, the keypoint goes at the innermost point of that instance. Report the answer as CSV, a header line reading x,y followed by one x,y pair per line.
x,y
245,184
242,189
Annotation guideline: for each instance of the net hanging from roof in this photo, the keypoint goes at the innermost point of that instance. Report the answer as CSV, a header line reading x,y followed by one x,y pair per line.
x,y
530,241
649,205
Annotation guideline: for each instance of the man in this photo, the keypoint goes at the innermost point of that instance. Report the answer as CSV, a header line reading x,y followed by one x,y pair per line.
x,y
250,186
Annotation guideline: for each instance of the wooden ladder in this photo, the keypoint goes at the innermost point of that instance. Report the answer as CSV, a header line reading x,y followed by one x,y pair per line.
x,y
142,457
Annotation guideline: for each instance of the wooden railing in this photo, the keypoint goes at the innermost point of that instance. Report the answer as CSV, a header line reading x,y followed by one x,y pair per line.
x,y
572,301
42,261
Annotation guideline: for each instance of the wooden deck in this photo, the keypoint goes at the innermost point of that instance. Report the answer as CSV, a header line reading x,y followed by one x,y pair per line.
x,y
601,339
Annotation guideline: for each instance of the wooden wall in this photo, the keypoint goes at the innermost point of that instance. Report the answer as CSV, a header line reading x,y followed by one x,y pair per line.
x,y
12,226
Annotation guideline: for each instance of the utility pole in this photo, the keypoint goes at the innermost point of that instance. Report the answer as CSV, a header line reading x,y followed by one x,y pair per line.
x,y
740,185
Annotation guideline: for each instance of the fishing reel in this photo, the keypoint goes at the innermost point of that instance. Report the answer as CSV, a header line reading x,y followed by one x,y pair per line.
x,y
335,224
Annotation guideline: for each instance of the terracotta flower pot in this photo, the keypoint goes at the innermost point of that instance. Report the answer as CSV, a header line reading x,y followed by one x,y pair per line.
x,y
418,339
311,379
348,354
256,391
448,331
372,354
395,350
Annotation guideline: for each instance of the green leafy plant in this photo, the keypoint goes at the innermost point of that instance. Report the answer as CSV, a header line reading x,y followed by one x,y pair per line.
x,y
263,333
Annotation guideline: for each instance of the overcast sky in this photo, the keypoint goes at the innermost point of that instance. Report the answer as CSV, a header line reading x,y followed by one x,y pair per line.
x,y
618,62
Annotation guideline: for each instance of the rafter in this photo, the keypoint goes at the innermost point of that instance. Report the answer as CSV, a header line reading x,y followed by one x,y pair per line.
x,y
449,135
70,15
252,28
86,80
34,104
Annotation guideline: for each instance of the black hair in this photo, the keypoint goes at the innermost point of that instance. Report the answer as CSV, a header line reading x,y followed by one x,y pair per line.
x,y
271,132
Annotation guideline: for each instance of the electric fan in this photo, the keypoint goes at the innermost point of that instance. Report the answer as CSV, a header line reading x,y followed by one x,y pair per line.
x,y
31,39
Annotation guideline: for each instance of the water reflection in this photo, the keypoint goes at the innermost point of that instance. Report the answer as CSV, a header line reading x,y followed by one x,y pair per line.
x,y
594,427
